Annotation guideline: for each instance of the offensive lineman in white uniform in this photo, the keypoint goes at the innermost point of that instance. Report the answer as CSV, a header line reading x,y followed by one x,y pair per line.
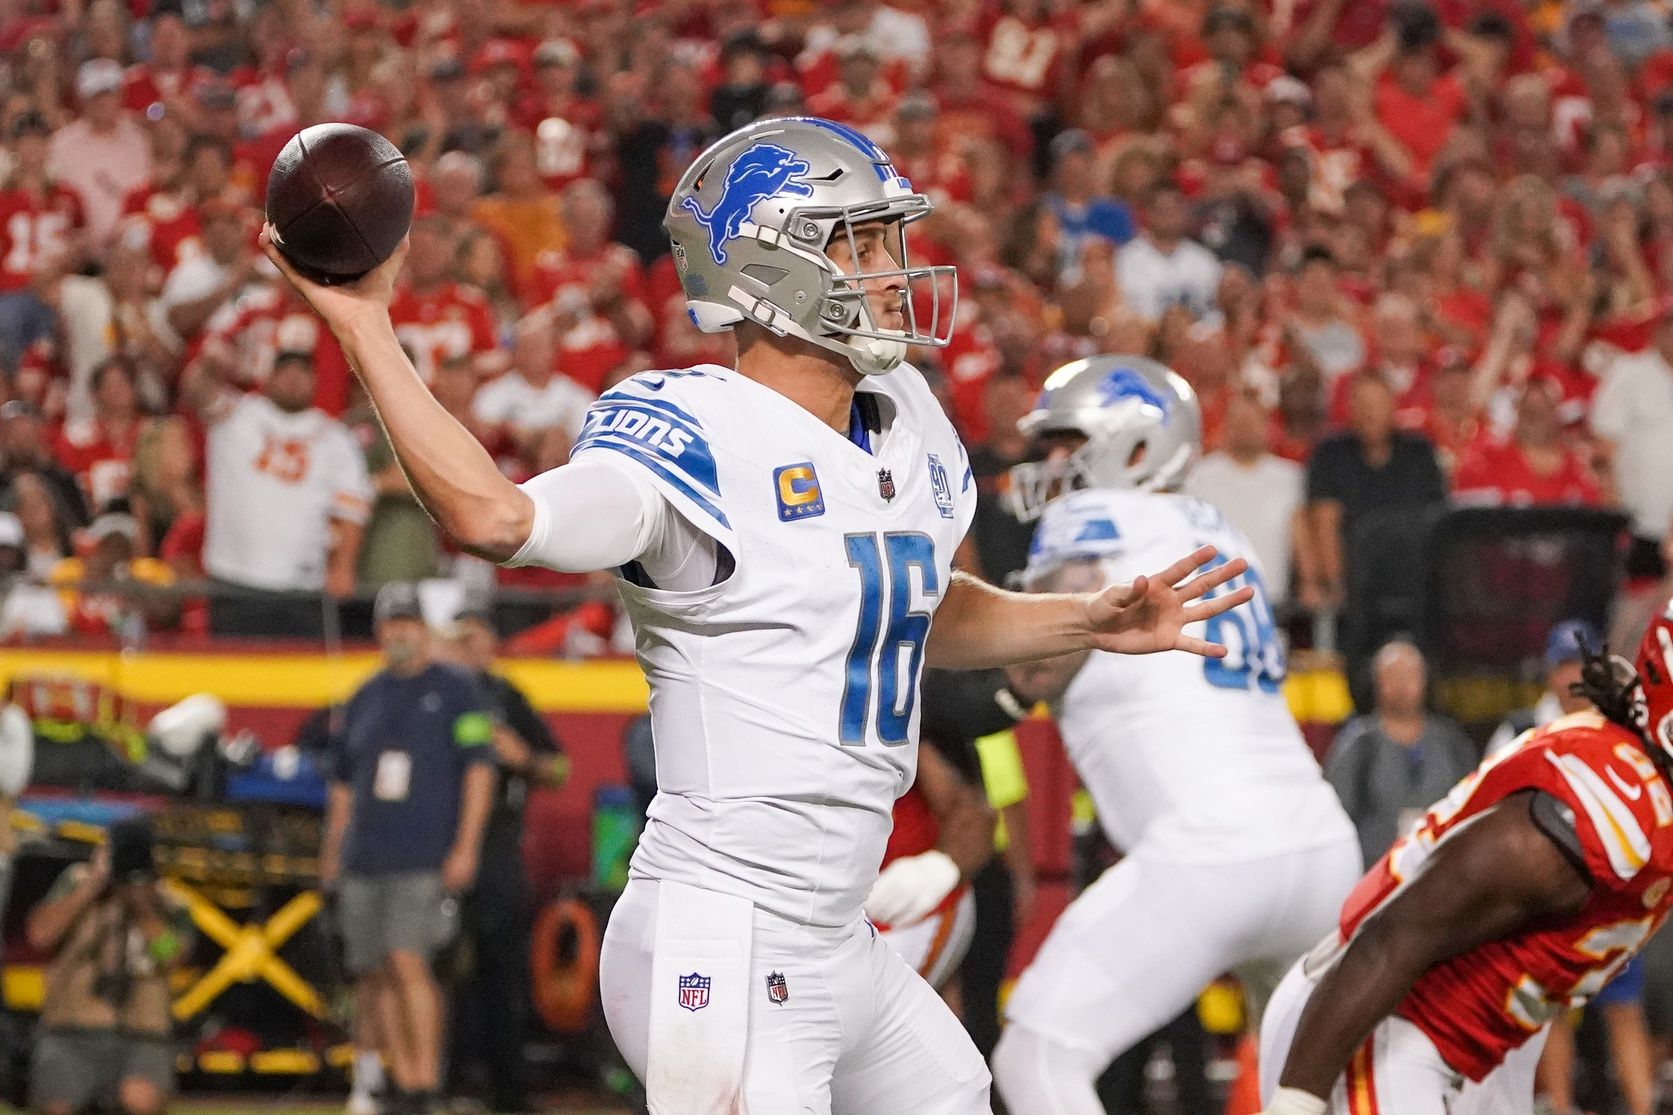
x,y
783,534
1237,852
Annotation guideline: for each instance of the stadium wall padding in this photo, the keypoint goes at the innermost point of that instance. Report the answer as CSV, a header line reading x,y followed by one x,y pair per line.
x,y
271,691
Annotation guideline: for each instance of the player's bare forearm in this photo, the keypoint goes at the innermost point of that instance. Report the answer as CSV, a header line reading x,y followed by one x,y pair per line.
x,y
49,921
1364,988
475,803
961,809
452,475
978,625
338,808
1460,898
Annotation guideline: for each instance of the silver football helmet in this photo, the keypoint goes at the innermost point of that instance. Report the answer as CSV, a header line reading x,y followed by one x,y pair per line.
x,y
1142,424
750,222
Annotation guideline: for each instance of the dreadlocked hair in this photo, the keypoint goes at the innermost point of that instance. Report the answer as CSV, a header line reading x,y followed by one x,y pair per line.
x,y
1611,683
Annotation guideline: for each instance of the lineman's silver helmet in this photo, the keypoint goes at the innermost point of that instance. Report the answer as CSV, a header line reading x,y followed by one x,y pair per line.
x,y
752,217
1142,424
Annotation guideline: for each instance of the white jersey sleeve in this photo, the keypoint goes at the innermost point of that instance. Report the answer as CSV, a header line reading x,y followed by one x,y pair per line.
x,y
596,513
641,424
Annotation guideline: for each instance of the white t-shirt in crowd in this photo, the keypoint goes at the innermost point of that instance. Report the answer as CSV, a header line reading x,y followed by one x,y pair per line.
x,y
1152,280
1261,501
514,400
193,278
101,168
1634,409
275,481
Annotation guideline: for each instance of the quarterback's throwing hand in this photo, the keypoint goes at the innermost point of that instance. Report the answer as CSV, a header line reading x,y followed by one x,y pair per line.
x,y
1150,614
342,303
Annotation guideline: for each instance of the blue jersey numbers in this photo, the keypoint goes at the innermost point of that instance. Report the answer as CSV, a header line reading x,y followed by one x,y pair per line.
x,y
881,683
1255,655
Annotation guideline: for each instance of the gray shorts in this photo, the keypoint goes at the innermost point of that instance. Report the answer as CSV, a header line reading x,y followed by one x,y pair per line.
x,y
382,914
75,1069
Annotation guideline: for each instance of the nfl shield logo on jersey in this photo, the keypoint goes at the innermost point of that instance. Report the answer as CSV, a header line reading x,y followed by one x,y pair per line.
x,y
694,991
885,484
940,486
777,990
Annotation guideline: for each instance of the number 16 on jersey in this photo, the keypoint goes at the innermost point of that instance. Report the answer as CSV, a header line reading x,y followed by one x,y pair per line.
x,y
880,684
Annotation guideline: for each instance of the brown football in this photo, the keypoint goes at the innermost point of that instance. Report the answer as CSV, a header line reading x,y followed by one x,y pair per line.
x,y
339,199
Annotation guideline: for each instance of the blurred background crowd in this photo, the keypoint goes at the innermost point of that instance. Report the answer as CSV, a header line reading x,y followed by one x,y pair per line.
x,y
1405,253
1410,255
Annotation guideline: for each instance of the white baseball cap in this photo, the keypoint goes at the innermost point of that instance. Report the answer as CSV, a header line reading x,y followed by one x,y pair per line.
x,y
98,75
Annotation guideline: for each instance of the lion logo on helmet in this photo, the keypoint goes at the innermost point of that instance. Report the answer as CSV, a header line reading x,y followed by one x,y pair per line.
x,y
760,172
1125,383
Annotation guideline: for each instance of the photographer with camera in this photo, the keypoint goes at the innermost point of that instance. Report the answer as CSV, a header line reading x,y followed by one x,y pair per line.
x,y
114,933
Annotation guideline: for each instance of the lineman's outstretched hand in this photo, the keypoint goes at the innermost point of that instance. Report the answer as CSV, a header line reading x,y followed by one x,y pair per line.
x,y
1151,614
341,304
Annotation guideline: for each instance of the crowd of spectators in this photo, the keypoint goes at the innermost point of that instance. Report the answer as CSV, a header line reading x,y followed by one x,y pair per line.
x,y
1405,254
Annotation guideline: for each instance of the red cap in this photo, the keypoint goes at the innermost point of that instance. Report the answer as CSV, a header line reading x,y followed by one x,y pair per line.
x,y
500,52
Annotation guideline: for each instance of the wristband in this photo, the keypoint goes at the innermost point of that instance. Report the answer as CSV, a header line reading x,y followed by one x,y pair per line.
x,y
1293,1101
1011,704
164,947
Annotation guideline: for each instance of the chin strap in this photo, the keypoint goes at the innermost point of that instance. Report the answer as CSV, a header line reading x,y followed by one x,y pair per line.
x,y
870,356
875,356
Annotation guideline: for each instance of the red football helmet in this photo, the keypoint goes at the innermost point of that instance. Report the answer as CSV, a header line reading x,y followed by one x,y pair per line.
x,y
1655,677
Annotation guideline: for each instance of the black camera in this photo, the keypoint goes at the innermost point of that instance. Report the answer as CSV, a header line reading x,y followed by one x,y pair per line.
x,y
132,852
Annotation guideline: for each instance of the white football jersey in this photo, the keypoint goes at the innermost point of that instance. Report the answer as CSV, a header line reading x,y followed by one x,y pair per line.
x,y
1196,757
274,482
784,698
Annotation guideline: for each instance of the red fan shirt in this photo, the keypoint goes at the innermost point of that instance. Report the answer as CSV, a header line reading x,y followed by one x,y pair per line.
x,y
173,232
590,348
263,323
100,456
442,324
33,229
1496,471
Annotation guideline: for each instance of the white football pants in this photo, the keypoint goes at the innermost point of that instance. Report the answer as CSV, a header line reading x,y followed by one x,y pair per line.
x,y
1139,945
834,1021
